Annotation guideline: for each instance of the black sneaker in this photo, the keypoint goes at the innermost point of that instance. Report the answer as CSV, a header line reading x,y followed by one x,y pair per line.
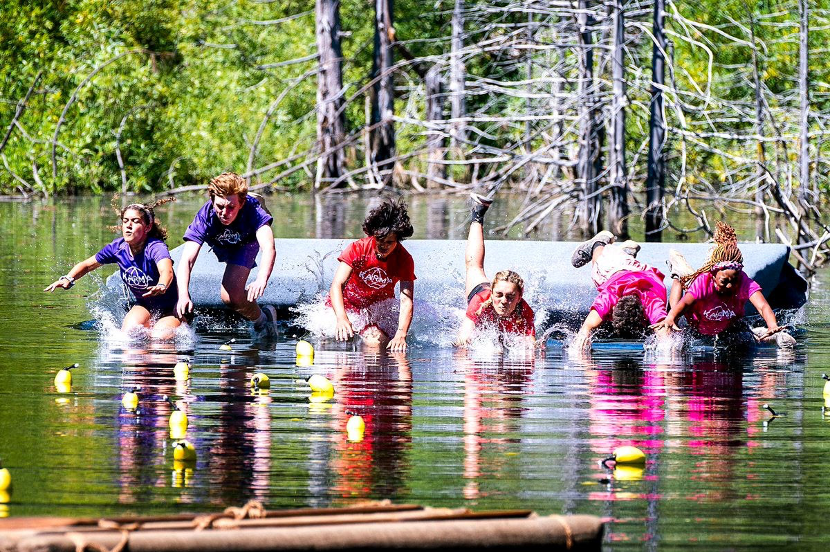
x,y
582,254
480,205
270,325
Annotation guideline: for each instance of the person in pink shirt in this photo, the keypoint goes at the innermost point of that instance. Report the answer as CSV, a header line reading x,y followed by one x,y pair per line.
x,y
631,294
716,295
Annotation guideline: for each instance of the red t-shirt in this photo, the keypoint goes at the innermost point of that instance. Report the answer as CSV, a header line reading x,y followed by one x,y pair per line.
x,y
519,322
374,280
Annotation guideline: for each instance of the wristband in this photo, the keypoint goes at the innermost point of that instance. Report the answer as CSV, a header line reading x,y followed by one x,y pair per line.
x,y
162,286
69,279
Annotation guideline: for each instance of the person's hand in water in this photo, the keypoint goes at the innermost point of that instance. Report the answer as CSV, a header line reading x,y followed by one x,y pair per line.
x,y
581,341
344,330
185,306
665,327
398,343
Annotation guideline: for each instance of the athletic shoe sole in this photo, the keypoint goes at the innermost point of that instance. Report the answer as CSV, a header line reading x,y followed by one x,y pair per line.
x,y
582,254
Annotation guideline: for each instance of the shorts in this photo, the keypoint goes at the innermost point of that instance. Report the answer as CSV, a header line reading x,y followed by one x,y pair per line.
x,y
243,255
612,260
476,290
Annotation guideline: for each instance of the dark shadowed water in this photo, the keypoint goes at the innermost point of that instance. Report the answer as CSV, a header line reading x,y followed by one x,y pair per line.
x,y
443,427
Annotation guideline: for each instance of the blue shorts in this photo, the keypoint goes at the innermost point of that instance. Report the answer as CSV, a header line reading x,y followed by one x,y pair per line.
x,y
242,255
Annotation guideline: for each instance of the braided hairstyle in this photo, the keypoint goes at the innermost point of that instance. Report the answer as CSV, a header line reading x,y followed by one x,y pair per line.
x,y
503,276
724,255
147,213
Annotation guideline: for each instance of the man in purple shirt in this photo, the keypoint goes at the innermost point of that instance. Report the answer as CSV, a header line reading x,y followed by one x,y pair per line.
x,y
235,225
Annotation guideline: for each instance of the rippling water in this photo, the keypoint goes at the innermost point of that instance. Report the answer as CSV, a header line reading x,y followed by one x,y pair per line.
x,y
443,427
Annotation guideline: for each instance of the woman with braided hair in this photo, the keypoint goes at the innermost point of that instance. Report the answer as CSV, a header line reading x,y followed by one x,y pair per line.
x,y
497,304
716,293
146,269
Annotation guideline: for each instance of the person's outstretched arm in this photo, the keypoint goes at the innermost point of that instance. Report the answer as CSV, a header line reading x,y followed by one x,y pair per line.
x,y
344,330
760,303
465,332
582,340
670,321
398,342
84,267
188,259
265,238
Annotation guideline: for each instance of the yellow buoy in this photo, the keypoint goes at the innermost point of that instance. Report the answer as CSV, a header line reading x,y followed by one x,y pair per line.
x,y
63,388
178,419
826,392
355,428
304,360
64,375
304,349
5,479
227,345
184,450
260,381
628,455
130,399
320,384
181,371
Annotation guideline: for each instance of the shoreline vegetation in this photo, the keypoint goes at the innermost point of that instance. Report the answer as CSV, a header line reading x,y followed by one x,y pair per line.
x,y
583,108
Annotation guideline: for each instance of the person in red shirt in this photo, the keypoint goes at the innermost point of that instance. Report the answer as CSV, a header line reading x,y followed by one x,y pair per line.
x,y
497,304
364,283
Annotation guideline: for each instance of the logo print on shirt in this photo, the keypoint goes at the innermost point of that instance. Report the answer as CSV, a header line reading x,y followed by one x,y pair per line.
x,y
135,278
719,313
229,237
375,278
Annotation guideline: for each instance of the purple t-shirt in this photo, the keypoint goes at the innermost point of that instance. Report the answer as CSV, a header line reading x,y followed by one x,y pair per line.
x,y
207,228
141,272
711,312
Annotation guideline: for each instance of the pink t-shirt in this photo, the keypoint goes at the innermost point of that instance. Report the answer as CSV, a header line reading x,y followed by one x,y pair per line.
x,y
646,284
711,312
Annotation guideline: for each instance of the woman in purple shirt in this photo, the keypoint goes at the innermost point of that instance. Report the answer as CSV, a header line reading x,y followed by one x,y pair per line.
x,y
236,226
146,268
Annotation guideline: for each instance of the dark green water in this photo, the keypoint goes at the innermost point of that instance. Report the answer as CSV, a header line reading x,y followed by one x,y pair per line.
x,y
443,428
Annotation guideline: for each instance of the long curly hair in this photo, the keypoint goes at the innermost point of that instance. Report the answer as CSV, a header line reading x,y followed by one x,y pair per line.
x,y
628,317
148,213
725,251
503,276
390,216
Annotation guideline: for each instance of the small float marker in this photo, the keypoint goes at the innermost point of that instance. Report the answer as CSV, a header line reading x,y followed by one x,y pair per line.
x,y
355,428
181,371
184,450
130,399
626,455
5,479
320,384
178,419
227,345
260,381
64,376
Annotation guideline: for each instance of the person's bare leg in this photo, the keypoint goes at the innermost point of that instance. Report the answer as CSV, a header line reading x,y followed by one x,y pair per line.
x,y
165,328
474,258
233,292
138,317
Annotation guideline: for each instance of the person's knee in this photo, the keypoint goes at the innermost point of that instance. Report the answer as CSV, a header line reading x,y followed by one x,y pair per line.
x,y
373,336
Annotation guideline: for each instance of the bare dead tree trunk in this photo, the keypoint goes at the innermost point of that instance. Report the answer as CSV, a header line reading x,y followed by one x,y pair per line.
x,y
458,74
590,202
803,123
656,179
759,130
383,97
436,142
331,118
618,200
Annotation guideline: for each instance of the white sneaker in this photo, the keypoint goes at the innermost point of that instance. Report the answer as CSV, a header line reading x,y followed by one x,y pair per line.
x,y
582,254
679,267
631,247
